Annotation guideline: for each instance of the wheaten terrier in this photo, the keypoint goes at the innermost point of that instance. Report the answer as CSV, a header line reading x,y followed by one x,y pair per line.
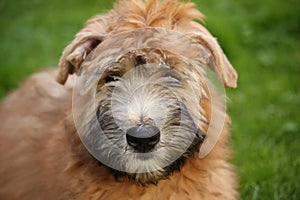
x,y
143,119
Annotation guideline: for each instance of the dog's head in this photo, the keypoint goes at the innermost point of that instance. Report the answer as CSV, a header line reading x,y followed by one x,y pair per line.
x,y
143,102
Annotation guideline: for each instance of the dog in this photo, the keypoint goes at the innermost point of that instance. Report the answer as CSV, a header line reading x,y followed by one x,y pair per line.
x,y
139,120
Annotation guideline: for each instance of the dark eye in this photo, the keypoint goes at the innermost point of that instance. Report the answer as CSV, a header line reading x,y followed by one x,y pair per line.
x,y
173,75
112,77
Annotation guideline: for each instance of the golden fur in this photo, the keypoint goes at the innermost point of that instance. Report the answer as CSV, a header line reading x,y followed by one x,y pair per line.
x,y
41,155
133,14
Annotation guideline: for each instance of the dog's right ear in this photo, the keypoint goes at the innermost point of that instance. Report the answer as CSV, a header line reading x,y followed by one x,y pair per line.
x,y
84,43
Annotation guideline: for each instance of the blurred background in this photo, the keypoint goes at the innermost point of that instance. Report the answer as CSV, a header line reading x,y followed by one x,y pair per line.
x,y
261,39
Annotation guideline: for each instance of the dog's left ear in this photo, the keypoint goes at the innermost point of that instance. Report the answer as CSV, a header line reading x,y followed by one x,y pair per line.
x,y
83,44
218,62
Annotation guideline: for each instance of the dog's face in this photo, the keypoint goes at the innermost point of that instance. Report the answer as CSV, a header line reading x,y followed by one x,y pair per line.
x,y
145,118
142,102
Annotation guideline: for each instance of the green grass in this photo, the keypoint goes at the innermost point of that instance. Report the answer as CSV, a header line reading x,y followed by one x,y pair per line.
x,y
261,39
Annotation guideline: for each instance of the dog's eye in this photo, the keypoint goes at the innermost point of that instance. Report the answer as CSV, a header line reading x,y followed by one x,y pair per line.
x,y
112,77
173,77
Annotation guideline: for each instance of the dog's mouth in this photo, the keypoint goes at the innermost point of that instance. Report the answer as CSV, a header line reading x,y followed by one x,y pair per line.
x,y
153,177
142,167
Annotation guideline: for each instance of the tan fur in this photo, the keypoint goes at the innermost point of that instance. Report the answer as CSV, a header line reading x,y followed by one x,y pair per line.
x,y
41,155
133,14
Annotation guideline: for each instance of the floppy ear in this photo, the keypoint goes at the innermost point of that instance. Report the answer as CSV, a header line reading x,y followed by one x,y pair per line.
x,y
85,41
218,62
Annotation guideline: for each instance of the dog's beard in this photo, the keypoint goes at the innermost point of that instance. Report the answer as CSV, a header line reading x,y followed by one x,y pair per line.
x,y
122,103
152,177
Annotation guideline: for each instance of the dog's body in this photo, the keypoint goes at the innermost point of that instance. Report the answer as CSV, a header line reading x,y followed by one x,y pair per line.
x,y
42,156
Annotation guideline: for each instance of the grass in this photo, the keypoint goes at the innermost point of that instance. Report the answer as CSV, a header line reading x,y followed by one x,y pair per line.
x,y
261,39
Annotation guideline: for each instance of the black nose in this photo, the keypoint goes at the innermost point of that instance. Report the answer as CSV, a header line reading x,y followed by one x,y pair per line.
x,y
143,138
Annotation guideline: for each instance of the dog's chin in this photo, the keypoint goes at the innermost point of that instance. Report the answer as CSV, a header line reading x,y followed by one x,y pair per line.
x,y
154,177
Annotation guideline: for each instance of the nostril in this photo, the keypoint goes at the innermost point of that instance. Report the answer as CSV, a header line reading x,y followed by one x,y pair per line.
x,y
154,139
131,140
143,138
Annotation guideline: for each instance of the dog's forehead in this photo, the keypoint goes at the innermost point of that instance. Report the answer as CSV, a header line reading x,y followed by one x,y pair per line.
x,y
123,51
150,38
